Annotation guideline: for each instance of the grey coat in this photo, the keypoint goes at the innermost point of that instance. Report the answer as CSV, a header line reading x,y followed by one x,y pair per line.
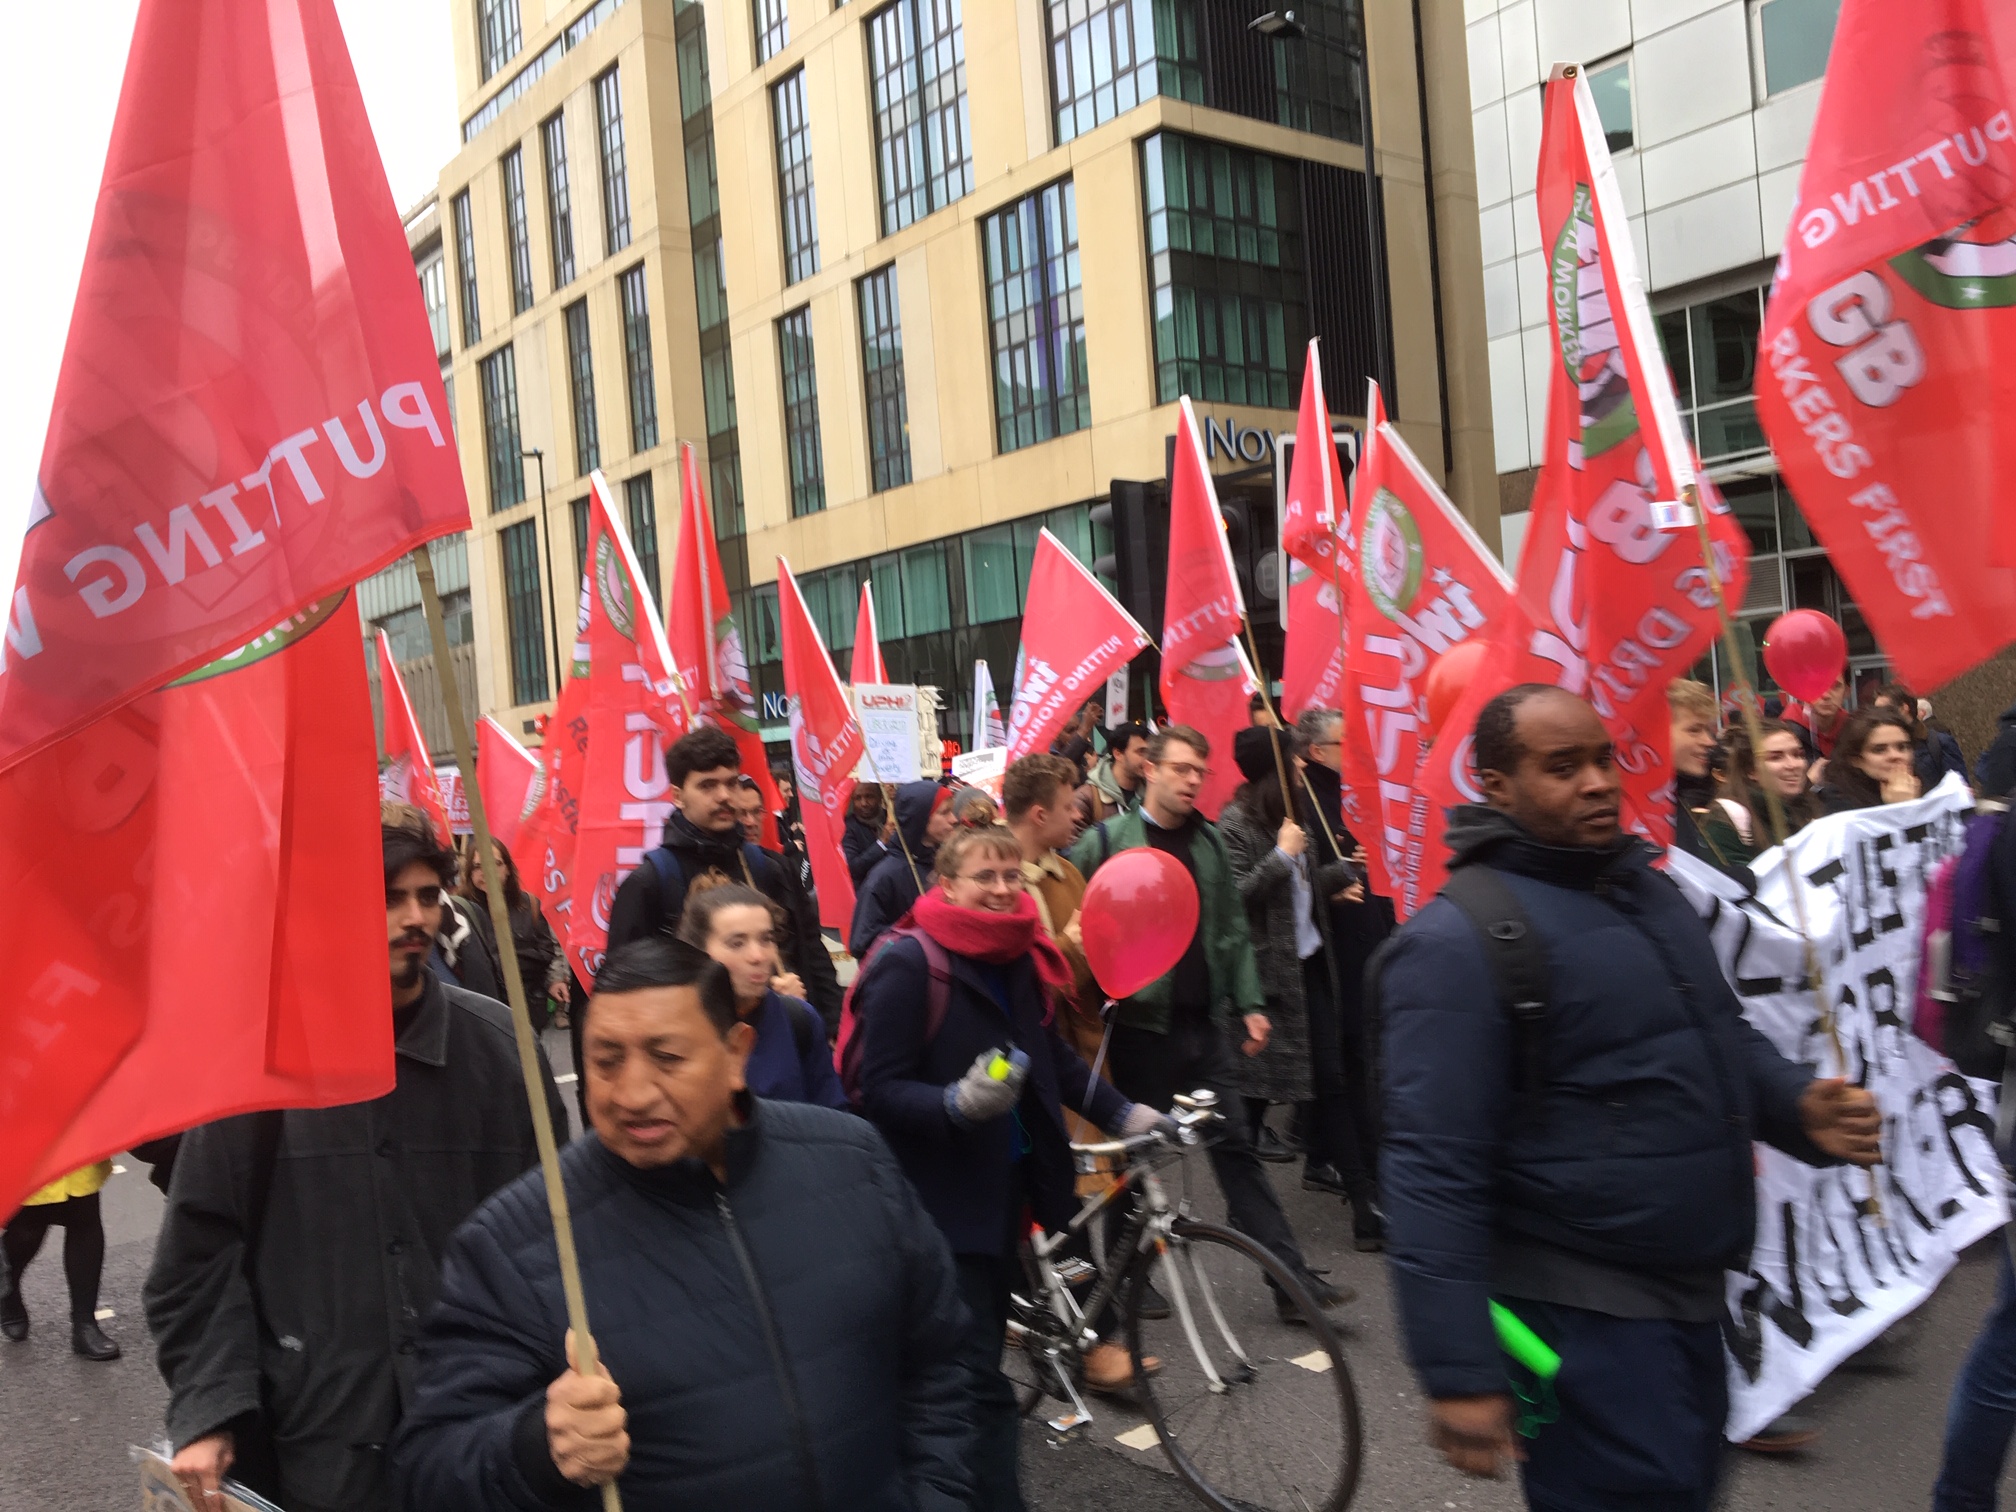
x,y
315,1329
1280,1072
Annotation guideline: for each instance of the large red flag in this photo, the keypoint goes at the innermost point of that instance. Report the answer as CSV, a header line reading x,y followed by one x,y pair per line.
x,y
866,664
1312,657
1422,583
1312,509
192,917
706,643
825,749
1075,635
1889,345
504,770
249,414
1206,678
632,706
409,776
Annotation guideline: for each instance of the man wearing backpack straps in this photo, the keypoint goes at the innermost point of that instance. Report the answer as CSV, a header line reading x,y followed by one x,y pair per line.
x,y
704,834
1181,1031
1571,1098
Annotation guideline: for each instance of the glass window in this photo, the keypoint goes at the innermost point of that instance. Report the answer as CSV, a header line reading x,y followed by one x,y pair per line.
x,y
1610,84
1107,56
497,34
843,609
517,232
1793,38
1225,267
801,413
559,204
637,360
992,591
615,183
524,611
579,510
917,65
773,27
695,91
434,294
642,510
454,419
717,390
703,191
882,378
710,284
767,634
1711,348
710,287
885,574
927,593
1036,317
465,267
724,473
581,387
794,178
502,450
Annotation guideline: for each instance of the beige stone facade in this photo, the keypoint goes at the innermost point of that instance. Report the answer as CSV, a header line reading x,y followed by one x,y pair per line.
x,y
960,478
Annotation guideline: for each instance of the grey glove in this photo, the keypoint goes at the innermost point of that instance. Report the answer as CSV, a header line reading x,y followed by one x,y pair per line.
x,y
977,1096
1142,1119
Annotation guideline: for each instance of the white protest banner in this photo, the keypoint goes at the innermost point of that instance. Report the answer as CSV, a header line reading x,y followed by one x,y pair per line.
x,y
887,713
1826,1275
1116,699
982,769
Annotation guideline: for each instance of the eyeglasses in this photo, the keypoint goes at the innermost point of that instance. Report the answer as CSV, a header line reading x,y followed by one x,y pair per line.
x,y
1186,769
991,879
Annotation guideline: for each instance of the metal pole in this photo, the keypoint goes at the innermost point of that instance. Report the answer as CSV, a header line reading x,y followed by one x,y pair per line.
x,y
546,540
1376,253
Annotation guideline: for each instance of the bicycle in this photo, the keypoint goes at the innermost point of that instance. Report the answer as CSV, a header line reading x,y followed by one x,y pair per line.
x,y
1242,1350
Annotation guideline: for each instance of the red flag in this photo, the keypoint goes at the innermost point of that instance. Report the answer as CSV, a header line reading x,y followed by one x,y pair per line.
x,y
1206,678
409,775
1075,635
193,917
1889,344
867,665
1614,599
1312,659
1312,510
504,772
249,414
706,643
825,749
1422,582
635,705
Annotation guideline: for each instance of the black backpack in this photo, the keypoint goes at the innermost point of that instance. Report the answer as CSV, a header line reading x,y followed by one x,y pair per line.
x,y
1518,963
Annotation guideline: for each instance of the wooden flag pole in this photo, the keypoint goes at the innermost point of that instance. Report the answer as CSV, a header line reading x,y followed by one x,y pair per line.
x,y
1280,767
514,989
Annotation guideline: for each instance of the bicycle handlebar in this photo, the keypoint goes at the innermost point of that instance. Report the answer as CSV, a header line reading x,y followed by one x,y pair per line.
x,y
1188,1121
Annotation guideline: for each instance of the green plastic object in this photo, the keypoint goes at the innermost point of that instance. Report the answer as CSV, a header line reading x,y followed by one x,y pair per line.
x,y
998,1068
1524,1345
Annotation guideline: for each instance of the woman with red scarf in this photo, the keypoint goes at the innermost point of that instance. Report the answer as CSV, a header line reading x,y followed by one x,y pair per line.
x,y
983,1150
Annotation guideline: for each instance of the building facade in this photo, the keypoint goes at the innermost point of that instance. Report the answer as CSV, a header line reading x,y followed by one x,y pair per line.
x,y
918,279
1708,106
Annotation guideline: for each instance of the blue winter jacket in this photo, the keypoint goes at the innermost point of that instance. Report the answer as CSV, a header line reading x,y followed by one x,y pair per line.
x,y
778,1068
974,1178
1631,1187
798,1322
894,881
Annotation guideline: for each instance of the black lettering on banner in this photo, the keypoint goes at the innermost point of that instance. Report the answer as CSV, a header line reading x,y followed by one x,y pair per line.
x,y
1904,1197
1747,985
1967,1115
1824,874
1846,1303
1743,1333
1881,986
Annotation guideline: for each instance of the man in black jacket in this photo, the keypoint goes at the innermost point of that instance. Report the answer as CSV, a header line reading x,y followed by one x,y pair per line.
x,y
300,1249
923,818
1593,1170
777,1317
704,834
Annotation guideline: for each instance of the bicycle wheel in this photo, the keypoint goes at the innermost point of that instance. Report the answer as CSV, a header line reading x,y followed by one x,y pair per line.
x,y
1256,1414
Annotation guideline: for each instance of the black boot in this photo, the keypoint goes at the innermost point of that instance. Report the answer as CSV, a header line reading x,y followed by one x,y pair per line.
x,y
1368,1224
13,1315
89,1340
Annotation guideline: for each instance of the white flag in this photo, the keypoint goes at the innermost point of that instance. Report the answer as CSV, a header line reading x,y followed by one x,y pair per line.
x,y
988,730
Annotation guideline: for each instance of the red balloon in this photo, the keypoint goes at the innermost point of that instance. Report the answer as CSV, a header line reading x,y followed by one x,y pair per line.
x,y
1453,671
1806,652
1139,913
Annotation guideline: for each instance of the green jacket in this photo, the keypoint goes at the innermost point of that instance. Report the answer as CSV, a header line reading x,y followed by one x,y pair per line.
x,y
1228,947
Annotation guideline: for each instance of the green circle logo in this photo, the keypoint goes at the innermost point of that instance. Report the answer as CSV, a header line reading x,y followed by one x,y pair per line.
x,y
613,584
1575,282
274,641
1389,554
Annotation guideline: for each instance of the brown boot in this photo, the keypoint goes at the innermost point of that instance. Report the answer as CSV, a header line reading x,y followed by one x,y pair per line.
x,y
1109,1369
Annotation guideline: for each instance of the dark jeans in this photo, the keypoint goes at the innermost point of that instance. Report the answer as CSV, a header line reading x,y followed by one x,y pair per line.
x,y
1982,1415
1152,1068
83,1248
1341,1130
997,1427
1643,1401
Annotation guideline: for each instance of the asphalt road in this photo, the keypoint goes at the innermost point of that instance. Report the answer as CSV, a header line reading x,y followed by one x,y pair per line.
x,y
66,1424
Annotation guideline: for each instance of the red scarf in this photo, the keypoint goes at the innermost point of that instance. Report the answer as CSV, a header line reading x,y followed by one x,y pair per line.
x,y
996,938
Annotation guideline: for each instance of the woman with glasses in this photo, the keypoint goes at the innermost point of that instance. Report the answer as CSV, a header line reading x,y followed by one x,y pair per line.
x,y
967,1079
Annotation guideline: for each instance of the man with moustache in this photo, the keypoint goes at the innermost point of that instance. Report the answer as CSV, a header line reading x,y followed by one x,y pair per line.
x,y
301,1248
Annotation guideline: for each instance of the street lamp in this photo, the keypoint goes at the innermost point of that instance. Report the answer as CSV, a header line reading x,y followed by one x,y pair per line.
x,y
545,535
1278,23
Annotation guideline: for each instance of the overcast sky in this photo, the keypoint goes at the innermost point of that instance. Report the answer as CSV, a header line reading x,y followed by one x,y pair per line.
x,y
57,112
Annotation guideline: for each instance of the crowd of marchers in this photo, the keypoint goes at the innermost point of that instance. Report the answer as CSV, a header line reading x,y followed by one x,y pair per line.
x,y
798,1266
